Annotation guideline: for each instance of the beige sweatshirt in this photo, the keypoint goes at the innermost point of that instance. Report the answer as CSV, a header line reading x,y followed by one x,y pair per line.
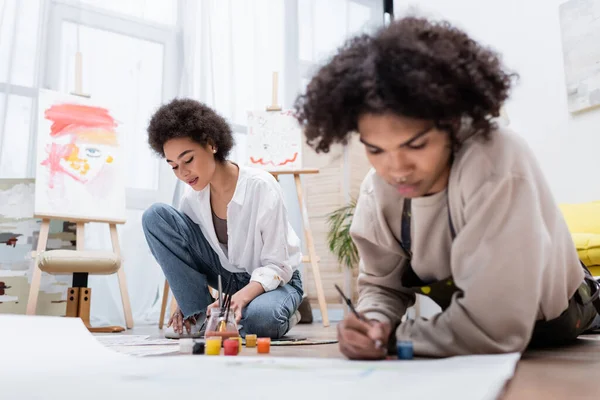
x,y
513,255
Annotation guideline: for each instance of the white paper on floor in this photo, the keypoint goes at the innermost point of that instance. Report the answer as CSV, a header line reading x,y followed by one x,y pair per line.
x,y
138,345
53,357
133,340
145,351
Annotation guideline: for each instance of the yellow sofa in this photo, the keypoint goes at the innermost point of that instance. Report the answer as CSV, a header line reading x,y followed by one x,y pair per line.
x,y
583,220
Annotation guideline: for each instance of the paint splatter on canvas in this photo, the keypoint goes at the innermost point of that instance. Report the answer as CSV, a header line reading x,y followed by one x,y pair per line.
x,y
274,140
79,159
19,232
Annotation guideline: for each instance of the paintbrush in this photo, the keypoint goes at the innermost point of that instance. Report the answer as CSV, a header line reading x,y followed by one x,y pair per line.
x,y
351,306
220,291
225,293
226,304
349,303
223,326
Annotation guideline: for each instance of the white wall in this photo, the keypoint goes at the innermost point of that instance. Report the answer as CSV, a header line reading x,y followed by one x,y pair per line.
x,y
528,35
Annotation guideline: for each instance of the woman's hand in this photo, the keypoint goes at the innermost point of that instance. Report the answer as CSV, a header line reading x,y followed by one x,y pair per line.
x,y
178,323
363,340
240,300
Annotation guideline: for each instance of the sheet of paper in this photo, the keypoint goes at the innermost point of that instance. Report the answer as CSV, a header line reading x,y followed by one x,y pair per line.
x,y
36,343
74,355
145,351
134,340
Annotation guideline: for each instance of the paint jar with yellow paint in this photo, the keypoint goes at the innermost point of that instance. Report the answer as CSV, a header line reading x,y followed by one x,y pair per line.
x,y
213,346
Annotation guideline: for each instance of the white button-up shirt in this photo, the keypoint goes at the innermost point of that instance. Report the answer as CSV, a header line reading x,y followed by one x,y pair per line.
x,y
261,241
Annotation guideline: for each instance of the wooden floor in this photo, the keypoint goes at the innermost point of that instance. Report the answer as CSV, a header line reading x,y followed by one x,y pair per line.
x,y
571,372
567,373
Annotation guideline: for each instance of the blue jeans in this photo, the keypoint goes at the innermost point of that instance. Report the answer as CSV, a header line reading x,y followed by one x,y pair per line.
x,y
190,265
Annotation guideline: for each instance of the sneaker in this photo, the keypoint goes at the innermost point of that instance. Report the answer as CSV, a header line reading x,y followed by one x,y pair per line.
x,y
295,319
197,330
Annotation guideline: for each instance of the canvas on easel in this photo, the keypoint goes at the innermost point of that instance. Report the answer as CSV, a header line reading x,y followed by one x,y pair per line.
x,y
78,169
274,140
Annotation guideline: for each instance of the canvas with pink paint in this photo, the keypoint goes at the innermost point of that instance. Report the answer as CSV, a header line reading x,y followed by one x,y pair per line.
x,y
79,170
274,140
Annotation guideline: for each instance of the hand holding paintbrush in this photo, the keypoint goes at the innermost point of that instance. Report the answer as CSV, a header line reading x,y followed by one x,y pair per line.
x,y
225,306
360,338
236,300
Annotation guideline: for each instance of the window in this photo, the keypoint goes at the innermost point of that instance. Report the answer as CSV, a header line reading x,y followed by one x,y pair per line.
x,y
130,66
320,34
19,41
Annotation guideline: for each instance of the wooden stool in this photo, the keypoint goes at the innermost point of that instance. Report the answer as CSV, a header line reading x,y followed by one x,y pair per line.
x,y
80,263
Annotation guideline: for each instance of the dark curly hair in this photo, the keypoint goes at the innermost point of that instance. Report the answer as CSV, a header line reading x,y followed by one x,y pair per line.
x,y
414,68
190,118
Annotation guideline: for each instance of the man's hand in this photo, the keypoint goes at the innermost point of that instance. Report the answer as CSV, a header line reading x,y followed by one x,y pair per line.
x,y
363,340
240,300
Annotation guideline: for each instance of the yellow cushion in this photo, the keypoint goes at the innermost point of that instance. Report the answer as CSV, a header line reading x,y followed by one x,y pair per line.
x,y
582,217
588,247
583,220
60,262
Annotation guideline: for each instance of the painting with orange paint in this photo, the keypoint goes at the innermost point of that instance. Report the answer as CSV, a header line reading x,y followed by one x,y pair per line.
x,y
274,140
79,162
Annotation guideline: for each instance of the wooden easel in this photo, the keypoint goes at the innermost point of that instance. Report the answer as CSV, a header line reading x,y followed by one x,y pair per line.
x,y
79,296
312,253
310,244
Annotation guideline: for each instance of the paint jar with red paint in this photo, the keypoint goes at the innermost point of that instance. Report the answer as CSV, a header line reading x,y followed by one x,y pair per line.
x,y
231,347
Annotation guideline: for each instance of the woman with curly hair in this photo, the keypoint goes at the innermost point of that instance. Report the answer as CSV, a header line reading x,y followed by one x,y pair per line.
x,y
231,222
455,208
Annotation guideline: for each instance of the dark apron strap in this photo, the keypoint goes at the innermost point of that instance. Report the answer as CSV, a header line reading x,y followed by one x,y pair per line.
x,y
405,236
440,292
450,224
405,240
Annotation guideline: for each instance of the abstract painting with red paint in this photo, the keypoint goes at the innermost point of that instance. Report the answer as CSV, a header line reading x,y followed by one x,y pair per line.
x,y
274,140
78,159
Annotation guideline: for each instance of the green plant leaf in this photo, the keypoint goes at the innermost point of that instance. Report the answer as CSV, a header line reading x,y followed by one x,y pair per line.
x,y
338,237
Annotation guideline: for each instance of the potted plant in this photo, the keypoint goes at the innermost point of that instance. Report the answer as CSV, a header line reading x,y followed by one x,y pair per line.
x,y
338,236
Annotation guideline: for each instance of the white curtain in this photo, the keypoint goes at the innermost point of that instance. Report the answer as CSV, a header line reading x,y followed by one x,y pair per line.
x,y
230,49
